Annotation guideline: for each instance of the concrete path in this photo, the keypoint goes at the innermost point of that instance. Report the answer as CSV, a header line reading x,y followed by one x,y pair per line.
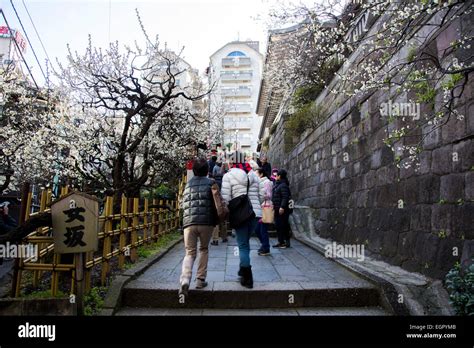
x,y
296,264
317,286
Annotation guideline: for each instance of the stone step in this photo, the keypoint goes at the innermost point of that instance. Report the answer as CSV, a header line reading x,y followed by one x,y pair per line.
x,y
231,295
308,311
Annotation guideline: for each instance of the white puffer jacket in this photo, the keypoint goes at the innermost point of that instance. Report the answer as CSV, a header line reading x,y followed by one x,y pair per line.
x,y
234,184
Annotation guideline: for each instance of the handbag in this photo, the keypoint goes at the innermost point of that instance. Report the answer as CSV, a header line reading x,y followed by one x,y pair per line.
x,y
221,207
268,214
240,209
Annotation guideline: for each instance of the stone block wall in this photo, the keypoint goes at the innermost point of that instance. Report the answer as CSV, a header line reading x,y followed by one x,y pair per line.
x,y
420,220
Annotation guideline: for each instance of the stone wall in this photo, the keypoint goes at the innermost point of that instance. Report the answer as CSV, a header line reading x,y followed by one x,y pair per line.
x,y
345,172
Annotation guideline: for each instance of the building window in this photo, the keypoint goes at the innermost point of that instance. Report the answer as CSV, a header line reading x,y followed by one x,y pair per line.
x,y
236,54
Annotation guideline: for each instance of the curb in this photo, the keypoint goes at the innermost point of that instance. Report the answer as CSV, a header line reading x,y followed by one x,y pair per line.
x,y
113,297
388,291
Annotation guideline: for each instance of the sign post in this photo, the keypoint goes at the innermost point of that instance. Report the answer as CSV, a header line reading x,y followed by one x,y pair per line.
x,y
75,231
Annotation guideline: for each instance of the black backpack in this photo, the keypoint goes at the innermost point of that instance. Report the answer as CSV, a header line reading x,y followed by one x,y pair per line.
x,y
240,209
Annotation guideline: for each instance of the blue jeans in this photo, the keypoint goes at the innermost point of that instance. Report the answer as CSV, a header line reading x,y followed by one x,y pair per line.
x,y
243,234
262,234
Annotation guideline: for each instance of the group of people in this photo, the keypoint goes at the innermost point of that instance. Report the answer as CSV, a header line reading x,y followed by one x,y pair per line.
x,y
235,177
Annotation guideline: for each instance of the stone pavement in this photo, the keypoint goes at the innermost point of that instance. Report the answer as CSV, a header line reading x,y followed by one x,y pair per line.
x,y
318,285
296,264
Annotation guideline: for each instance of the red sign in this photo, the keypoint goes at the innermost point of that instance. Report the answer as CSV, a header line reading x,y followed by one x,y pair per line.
x,y
4,32
20,40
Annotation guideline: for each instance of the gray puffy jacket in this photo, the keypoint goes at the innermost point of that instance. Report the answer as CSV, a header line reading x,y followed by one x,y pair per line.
x,y
198,203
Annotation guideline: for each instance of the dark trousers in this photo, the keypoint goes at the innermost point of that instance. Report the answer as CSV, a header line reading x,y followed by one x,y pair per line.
x,y
262,234
282,226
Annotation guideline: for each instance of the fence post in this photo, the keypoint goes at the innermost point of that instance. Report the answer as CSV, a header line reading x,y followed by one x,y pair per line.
x,y
79,277
16,278
160,218
135,223
145,222
37,274
109,206
123,231
154,222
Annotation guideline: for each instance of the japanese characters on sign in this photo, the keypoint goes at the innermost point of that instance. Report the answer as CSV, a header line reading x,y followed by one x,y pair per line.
x,y
20,40
75,224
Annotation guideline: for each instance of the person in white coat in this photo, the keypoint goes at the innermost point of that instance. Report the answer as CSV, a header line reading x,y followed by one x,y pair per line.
x,y
234,184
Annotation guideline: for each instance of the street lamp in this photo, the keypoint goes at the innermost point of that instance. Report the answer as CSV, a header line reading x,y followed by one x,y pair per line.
x,y
236,141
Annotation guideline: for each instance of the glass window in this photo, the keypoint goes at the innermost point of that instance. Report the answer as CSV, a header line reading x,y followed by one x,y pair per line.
x,y
236,54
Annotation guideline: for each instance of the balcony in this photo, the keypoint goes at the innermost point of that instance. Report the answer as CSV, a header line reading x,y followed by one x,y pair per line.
x,y
236,77
238,125
236,92
238,108
235,62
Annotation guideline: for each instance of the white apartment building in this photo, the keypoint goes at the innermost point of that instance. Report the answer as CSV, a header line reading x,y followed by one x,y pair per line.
x,y
236,71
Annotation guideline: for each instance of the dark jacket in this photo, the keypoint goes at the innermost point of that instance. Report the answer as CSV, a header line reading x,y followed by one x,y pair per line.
x,y
211,164
198,203
218,173
281,195
7,223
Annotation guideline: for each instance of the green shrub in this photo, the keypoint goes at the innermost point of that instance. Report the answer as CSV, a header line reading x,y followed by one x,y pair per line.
x,y
273,128
460,285
306,95
94,300
307,117
161,192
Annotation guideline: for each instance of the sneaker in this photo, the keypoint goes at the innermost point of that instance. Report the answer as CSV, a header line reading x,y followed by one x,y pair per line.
x,y
214,242
183,290
201,284
264,253
280,246
288,245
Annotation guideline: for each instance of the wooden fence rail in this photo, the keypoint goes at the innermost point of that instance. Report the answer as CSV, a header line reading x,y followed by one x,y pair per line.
x,y
119,237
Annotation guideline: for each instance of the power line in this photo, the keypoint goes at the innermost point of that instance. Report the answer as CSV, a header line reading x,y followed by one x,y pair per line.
x,y
27,37
36,31
19,50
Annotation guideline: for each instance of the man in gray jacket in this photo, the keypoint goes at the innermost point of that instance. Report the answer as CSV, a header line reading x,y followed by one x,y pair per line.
x,y
199,219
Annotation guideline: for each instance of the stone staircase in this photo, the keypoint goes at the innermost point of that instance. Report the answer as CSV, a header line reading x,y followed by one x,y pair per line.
x,y
294,281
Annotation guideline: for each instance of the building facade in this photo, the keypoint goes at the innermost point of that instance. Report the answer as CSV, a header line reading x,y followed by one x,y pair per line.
x,y
235,73
12,43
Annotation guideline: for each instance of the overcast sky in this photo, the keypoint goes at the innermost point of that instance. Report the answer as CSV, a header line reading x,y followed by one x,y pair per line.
x,y
202,26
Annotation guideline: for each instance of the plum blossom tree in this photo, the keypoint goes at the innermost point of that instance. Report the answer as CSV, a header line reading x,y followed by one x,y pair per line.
x,y
397,54
132,121
29,121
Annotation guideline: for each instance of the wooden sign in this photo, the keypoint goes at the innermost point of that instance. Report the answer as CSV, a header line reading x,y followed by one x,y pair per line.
x,y
75,223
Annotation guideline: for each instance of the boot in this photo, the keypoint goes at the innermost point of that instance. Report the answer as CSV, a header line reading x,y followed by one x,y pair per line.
x,y
247,278
240,274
